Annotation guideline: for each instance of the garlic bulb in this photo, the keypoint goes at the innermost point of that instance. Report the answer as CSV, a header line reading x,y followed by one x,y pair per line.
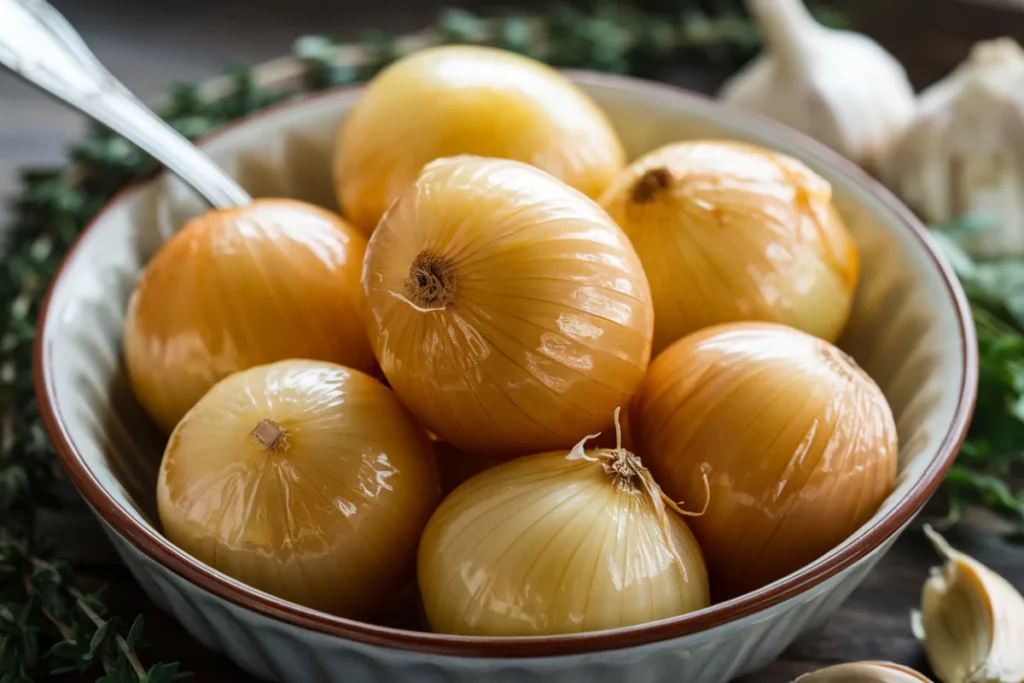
x,y
561,542
839,87
972,621
864,672
964,151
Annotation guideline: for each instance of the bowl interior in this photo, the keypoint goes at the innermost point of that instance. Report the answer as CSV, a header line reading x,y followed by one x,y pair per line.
x,y
905,329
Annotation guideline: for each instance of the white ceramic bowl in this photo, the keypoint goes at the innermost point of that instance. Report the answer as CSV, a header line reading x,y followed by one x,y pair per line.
x,y
910,329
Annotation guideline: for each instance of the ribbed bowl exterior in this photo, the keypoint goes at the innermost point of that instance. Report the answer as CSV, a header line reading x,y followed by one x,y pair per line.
x,y
907,330
274,651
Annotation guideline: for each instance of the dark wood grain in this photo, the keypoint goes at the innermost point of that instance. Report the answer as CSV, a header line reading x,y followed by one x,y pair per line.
x,y
148,44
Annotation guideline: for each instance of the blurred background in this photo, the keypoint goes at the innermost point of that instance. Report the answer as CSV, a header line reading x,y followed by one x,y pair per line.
x,y
150,43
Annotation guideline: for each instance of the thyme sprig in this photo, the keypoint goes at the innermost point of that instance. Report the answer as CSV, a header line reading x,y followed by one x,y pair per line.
x,y
48,624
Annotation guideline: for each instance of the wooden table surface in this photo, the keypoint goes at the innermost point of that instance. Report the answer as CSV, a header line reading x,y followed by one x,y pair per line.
x,y
148,44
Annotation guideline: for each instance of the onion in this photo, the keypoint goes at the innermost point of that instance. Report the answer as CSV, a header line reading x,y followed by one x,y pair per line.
x,y
507,310
303,479
798,442
241,287
454,100
559,542
728,231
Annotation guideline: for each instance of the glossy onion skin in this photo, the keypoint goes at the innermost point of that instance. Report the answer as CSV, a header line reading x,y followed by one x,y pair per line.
x,y
738,232
548,328
798,443
331,517
454,100
545,545
242,287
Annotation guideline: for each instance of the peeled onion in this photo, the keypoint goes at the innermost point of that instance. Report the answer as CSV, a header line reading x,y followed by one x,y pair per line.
x,y
241,287
507,310
798,443
453,100
560,542
728,231
304,479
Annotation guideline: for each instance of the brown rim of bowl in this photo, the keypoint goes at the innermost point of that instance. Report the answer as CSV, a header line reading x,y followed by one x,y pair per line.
x,y
151,543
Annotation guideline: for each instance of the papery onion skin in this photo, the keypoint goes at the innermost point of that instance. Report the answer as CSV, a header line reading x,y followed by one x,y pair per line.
x,y
462,99
532,320
798,443
546,545
729,231
241,287
329,515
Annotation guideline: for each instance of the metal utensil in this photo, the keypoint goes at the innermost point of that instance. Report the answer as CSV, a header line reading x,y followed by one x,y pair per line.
x,y
38,44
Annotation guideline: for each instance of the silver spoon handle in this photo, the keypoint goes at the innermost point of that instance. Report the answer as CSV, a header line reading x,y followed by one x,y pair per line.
x,y
38,44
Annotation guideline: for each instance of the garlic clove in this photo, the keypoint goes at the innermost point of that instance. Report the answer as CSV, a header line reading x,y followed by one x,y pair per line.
x,y
864,672
964,150
972,621
839,87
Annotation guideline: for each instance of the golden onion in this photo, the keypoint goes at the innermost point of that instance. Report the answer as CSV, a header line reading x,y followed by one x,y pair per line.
x,y
304,479
507,310
559,542
241,287
453,100
797,441
728,231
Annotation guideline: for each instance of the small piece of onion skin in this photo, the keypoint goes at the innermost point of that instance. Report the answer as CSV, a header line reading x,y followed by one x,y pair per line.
x,y
242,287
507,310
728,231
304,479
453,100
798,443
557,543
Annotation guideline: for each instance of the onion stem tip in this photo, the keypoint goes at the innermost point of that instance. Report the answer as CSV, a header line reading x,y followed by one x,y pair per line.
x,y
268,433
651,183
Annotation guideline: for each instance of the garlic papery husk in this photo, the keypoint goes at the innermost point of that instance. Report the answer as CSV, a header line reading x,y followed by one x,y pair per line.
x,y
839,87
972,621
964,150
864,672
